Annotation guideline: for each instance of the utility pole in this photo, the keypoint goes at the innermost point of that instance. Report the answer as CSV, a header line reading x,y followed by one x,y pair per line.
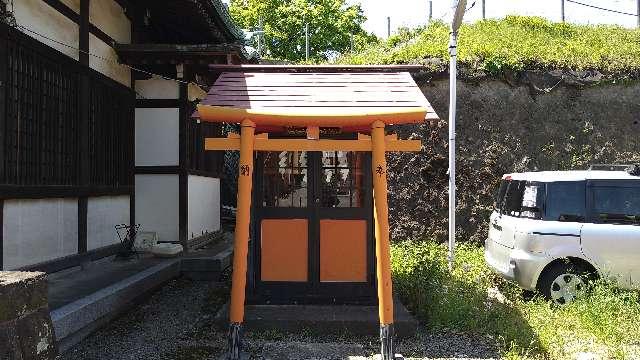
x,y
260,36
483,8
351,40
460,6
306,41
388,26
638,13
431,10
562,9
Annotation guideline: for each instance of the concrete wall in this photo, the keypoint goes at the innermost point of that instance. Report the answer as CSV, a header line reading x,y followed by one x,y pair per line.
x,y
36,15
157,205
156,137
38,230
204,205
103,213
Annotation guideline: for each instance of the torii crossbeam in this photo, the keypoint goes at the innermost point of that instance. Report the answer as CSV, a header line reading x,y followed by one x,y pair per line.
x,y
352,102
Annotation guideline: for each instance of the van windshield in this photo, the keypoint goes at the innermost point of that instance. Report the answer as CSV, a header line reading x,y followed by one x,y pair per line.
x,y
520,198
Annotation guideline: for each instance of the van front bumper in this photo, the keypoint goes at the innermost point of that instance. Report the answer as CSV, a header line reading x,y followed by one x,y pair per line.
x,y
515,264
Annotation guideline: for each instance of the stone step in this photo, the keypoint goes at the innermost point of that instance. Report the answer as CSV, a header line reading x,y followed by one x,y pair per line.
x,y
321,319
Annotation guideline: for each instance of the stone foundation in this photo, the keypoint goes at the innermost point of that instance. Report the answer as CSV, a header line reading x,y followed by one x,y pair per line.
x,y
26,331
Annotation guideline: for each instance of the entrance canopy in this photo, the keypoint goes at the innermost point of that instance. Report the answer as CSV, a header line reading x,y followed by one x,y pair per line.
x,y
351,101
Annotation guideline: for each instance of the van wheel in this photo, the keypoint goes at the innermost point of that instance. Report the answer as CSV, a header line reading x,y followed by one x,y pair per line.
x,y
563,282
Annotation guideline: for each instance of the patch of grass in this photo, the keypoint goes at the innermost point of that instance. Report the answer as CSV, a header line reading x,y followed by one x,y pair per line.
x,y
513,43
473,299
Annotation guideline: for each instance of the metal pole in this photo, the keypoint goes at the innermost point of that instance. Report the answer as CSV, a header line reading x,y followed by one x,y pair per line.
x,y
453,44
431,10
351,40
562,9
306,41
483,10
388,26
260,36
638,13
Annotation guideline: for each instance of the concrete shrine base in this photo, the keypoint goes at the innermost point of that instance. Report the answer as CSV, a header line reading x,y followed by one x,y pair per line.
x,y
321,319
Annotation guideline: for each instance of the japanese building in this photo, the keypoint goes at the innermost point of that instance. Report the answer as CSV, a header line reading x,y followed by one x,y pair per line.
x,y
96,98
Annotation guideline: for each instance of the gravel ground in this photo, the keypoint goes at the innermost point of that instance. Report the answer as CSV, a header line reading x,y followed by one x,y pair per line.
x,y
177,323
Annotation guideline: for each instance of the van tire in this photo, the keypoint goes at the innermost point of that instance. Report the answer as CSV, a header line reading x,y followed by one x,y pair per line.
x,y
562,280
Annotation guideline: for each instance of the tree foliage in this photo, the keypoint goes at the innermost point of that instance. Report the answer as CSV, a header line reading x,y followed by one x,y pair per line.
x,y
331,25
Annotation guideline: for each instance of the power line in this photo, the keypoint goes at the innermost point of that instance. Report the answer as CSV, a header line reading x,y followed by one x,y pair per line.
x,y
104,58
601,8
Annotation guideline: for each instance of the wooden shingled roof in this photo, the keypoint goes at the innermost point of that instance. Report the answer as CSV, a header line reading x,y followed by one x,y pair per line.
x,y
322,99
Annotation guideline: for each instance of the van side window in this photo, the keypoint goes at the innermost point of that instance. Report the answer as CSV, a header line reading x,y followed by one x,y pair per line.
x,y
565,201
616,205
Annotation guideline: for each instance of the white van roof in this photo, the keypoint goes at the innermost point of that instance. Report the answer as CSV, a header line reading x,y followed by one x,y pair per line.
x,y
573,175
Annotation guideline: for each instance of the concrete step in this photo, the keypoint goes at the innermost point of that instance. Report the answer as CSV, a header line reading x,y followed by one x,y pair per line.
x,y
76,320
321,319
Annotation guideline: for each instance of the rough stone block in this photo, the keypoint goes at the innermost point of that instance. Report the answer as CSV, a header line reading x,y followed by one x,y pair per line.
x,y
21,292
35,333
26,331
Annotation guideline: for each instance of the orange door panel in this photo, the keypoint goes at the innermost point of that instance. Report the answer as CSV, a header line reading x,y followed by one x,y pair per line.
x,y
284,249
343,250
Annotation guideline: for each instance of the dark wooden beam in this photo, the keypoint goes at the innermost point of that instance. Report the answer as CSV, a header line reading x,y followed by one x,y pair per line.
x,y
3,112
41,192
1,233
64,10
183,202
102,35
82,224
83,23
158,169
157,103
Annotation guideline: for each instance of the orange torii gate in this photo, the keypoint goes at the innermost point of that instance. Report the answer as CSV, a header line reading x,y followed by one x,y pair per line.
x,y
316,102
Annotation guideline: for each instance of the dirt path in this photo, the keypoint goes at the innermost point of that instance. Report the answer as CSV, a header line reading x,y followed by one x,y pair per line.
x,y
177,323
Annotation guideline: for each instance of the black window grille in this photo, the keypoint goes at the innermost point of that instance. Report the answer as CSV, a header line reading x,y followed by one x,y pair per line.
x,y
41,116
40,120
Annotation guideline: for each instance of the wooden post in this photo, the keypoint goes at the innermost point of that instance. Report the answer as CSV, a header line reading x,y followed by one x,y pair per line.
x,y
383,253
241,238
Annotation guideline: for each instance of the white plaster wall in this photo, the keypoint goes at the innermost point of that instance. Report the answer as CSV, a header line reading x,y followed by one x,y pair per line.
x,y
36,15
103,213
157,205
157,88
109,17
72,4
157,137
204,205
38,230
106,61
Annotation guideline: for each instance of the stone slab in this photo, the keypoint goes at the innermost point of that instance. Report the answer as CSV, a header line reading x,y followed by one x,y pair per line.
x,y
21,292
321,319
76,320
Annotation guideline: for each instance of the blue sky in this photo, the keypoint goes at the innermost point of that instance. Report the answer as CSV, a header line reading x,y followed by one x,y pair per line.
x,y
413,13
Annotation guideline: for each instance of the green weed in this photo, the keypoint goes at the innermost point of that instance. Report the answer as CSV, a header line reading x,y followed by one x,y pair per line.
x,y
511,44
473,299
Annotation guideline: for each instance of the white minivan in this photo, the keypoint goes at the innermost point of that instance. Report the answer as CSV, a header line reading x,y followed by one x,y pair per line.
x,y
553,230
